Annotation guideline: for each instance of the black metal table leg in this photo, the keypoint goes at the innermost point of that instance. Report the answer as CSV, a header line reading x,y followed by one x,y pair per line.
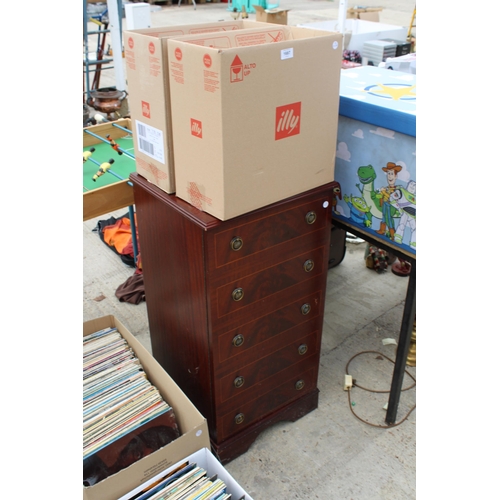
x,y
406,324
403,347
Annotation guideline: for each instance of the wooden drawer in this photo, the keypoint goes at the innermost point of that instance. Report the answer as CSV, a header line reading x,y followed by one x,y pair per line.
x,y
267,334
236,244
263,307
248,382
298,384
247,290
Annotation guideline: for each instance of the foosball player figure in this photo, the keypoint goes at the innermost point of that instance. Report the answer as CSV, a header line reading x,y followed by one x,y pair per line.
x,y
103,168
87,154
114,145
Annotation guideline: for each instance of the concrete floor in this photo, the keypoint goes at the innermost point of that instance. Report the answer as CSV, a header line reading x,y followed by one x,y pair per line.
x,y
329,453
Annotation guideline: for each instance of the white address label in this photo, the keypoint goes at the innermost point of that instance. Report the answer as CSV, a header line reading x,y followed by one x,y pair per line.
x,y
286,54
150,141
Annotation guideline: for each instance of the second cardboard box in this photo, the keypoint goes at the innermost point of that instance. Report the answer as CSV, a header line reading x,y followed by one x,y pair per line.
x,y
149,95
254,115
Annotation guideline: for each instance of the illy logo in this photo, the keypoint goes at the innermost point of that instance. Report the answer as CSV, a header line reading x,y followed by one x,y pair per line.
x,y
196,128
287,121
146,110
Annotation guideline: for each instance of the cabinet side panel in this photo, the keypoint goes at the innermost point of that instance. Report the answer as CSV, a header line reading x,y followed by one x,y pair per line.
x,y
171,248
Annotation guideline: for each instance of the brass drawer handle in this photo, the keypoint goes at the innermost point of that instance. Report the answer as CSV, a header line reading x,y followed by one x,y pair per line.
x,y
308,265
299,385
239,381
302,349
236,243
311,217
238,340
237,294
305,309
239,419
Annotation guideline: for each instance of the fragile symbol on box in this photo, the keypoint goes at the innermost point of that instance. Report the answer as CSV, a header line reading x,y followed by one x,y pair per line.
x,y
196,129
287,121
236,70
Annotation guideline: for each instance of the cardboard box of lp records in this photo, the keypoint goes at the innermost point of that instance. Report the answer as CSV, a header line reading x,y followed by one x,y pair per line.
x,y
205,460
254,115
192,425
149,96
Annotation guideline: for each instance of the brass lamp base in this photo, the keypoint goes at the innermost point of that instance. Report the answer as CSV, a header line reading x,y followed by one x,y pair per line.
x,y
411,360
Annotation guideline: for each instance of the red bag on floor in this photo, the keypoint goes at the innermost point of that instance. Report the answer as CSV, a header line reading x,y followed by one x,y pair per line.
x,y
116,233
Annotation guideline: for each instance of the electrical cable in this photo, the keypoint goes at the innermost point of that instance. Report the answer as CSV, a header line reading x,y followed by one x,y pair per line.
x,y
354,384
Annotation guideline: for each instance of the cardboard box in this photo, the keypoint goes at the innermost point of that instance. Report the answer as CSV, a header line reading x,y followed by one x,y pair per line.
x,y
192,425
366,14
254,116
275,16
149,97
205,459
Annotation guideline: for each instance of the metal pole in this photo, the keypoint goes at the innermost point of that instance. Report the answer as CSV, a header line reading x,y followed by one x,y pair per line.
x,y
342,17
403,346
86,51
110,171
106,141
115,13
132,228
122,128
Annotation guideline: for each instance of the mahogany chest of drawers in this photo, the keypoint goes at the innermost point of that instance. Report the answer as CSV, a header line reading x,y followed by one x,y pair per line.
x,y
235,307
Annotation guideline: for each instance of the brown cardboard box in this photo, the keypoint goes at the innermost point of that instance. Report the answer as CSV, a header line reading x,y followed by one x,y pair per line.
x,y
254,116
365,14
275,16
149,99
192,425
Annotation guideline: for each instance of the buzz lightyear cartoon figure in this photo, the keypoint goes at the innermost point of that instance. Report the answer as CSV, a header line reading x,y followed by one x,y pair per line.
x,y
405,200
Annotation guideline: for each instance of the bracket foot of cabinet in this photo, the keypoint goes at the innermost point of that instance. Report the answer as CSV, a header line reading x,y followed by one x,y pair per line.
x,y
240,443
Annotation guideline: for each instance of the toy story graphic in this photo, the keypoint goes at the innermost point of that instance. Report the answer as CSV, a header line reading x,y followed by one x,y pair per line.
x,y
375,175
375,160
393,91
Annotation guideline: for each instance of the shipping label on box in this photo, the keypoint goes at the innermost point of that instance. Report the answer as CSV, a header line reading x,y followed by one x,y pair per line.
x,y
254,116
375,171
146,61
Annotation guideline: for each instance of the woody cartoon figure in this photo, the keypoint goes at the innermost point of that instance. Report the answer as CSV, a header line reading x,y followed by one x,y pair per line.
x,y
389,211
